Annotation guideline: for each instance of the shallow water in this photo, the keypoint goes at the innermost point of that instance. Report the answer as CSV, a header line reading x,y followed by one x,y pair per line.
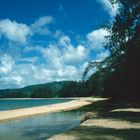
x,y
39,127
9,104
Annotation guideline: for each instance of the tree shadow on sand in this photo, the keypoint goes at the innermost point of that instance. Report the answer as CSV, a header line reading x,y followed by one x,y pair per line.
x,y
99,133
104,111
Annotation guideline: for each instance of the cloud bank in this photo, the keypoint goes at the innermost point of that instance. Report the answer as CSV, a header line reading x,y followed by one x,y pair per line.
x,y
17,32
53,60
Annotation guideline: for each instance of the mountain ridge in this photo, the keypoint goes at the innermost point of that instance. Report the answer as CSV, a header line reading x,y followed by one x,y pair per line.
x,y
52,88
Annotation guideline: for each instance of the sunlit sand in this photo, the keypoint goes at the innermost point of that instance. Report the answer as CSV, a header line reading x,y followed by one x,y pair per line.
x,y
26,112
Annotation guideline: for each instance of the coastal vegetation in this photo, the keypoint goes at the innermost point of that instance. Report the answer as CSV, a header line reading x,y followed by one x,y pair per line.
x,y
35,91
118,75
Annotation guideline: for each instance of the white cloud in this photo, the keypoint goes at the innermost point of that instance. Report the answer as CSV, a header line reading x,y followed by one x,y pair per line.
x,y
69,71
44,74
41,25
14,31
65,54
28,74
17,79
97,38
29,59
64,73
75,55
65,41
59,63
111,9
71,54
18,32
60,60
101,56
58,34
6,64
42,21
52,55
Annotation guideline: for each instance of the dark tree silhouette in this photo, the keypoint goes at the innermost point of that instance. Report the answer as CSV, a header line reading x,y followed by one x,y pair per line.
x,y
118,76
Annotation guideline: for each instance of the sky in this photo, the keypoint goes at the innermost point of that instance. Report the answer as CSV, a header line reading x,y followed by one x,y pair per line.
x,y
51,40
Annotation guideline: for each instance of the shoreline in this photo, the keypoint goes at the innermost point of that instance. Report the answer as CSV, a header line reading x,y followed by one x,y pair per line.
x,y
10,115
117,123
40,98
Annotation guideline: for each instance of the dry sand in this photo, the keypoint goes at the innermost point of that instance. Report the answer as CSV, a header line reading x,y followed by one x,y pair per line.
x,y
26,112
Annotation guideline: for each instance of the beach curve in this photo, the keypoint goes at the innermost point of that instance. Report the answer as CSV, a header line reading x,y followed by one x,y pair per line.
x,y
28,112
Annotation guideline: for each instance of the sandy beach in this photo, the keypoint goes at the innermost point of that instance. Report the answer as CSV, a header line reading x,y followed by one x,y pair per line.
x,y
88,130
27,112
116,124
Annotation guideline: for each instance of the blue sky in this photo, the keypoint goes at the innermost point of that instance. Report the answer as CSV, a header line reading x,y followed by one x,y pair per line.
x,y
50,40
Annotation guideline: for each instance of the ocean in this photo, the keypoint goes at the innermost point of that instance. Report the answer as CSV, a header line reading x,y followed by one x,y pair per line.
x,y
10,104
39,127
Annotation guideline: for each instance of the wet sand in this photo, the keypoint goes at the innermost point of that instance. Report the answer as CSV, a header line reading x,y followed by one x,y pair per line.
x,y
27,112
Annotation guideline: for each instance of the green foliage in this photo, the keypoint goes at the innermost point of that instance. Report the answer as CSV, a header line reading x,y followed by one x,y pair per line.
x,y
13,94
35,91
49,90
74,89
42,93
118,75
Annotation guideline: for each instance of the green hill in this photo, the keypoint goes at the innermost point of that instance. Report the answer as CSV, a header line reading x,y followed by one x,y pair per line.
x,y
36,91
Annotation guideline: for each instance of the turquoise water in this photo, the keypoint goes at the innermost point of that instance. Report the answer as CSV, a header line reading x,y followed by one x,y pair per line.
x,y
9,104
39,127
